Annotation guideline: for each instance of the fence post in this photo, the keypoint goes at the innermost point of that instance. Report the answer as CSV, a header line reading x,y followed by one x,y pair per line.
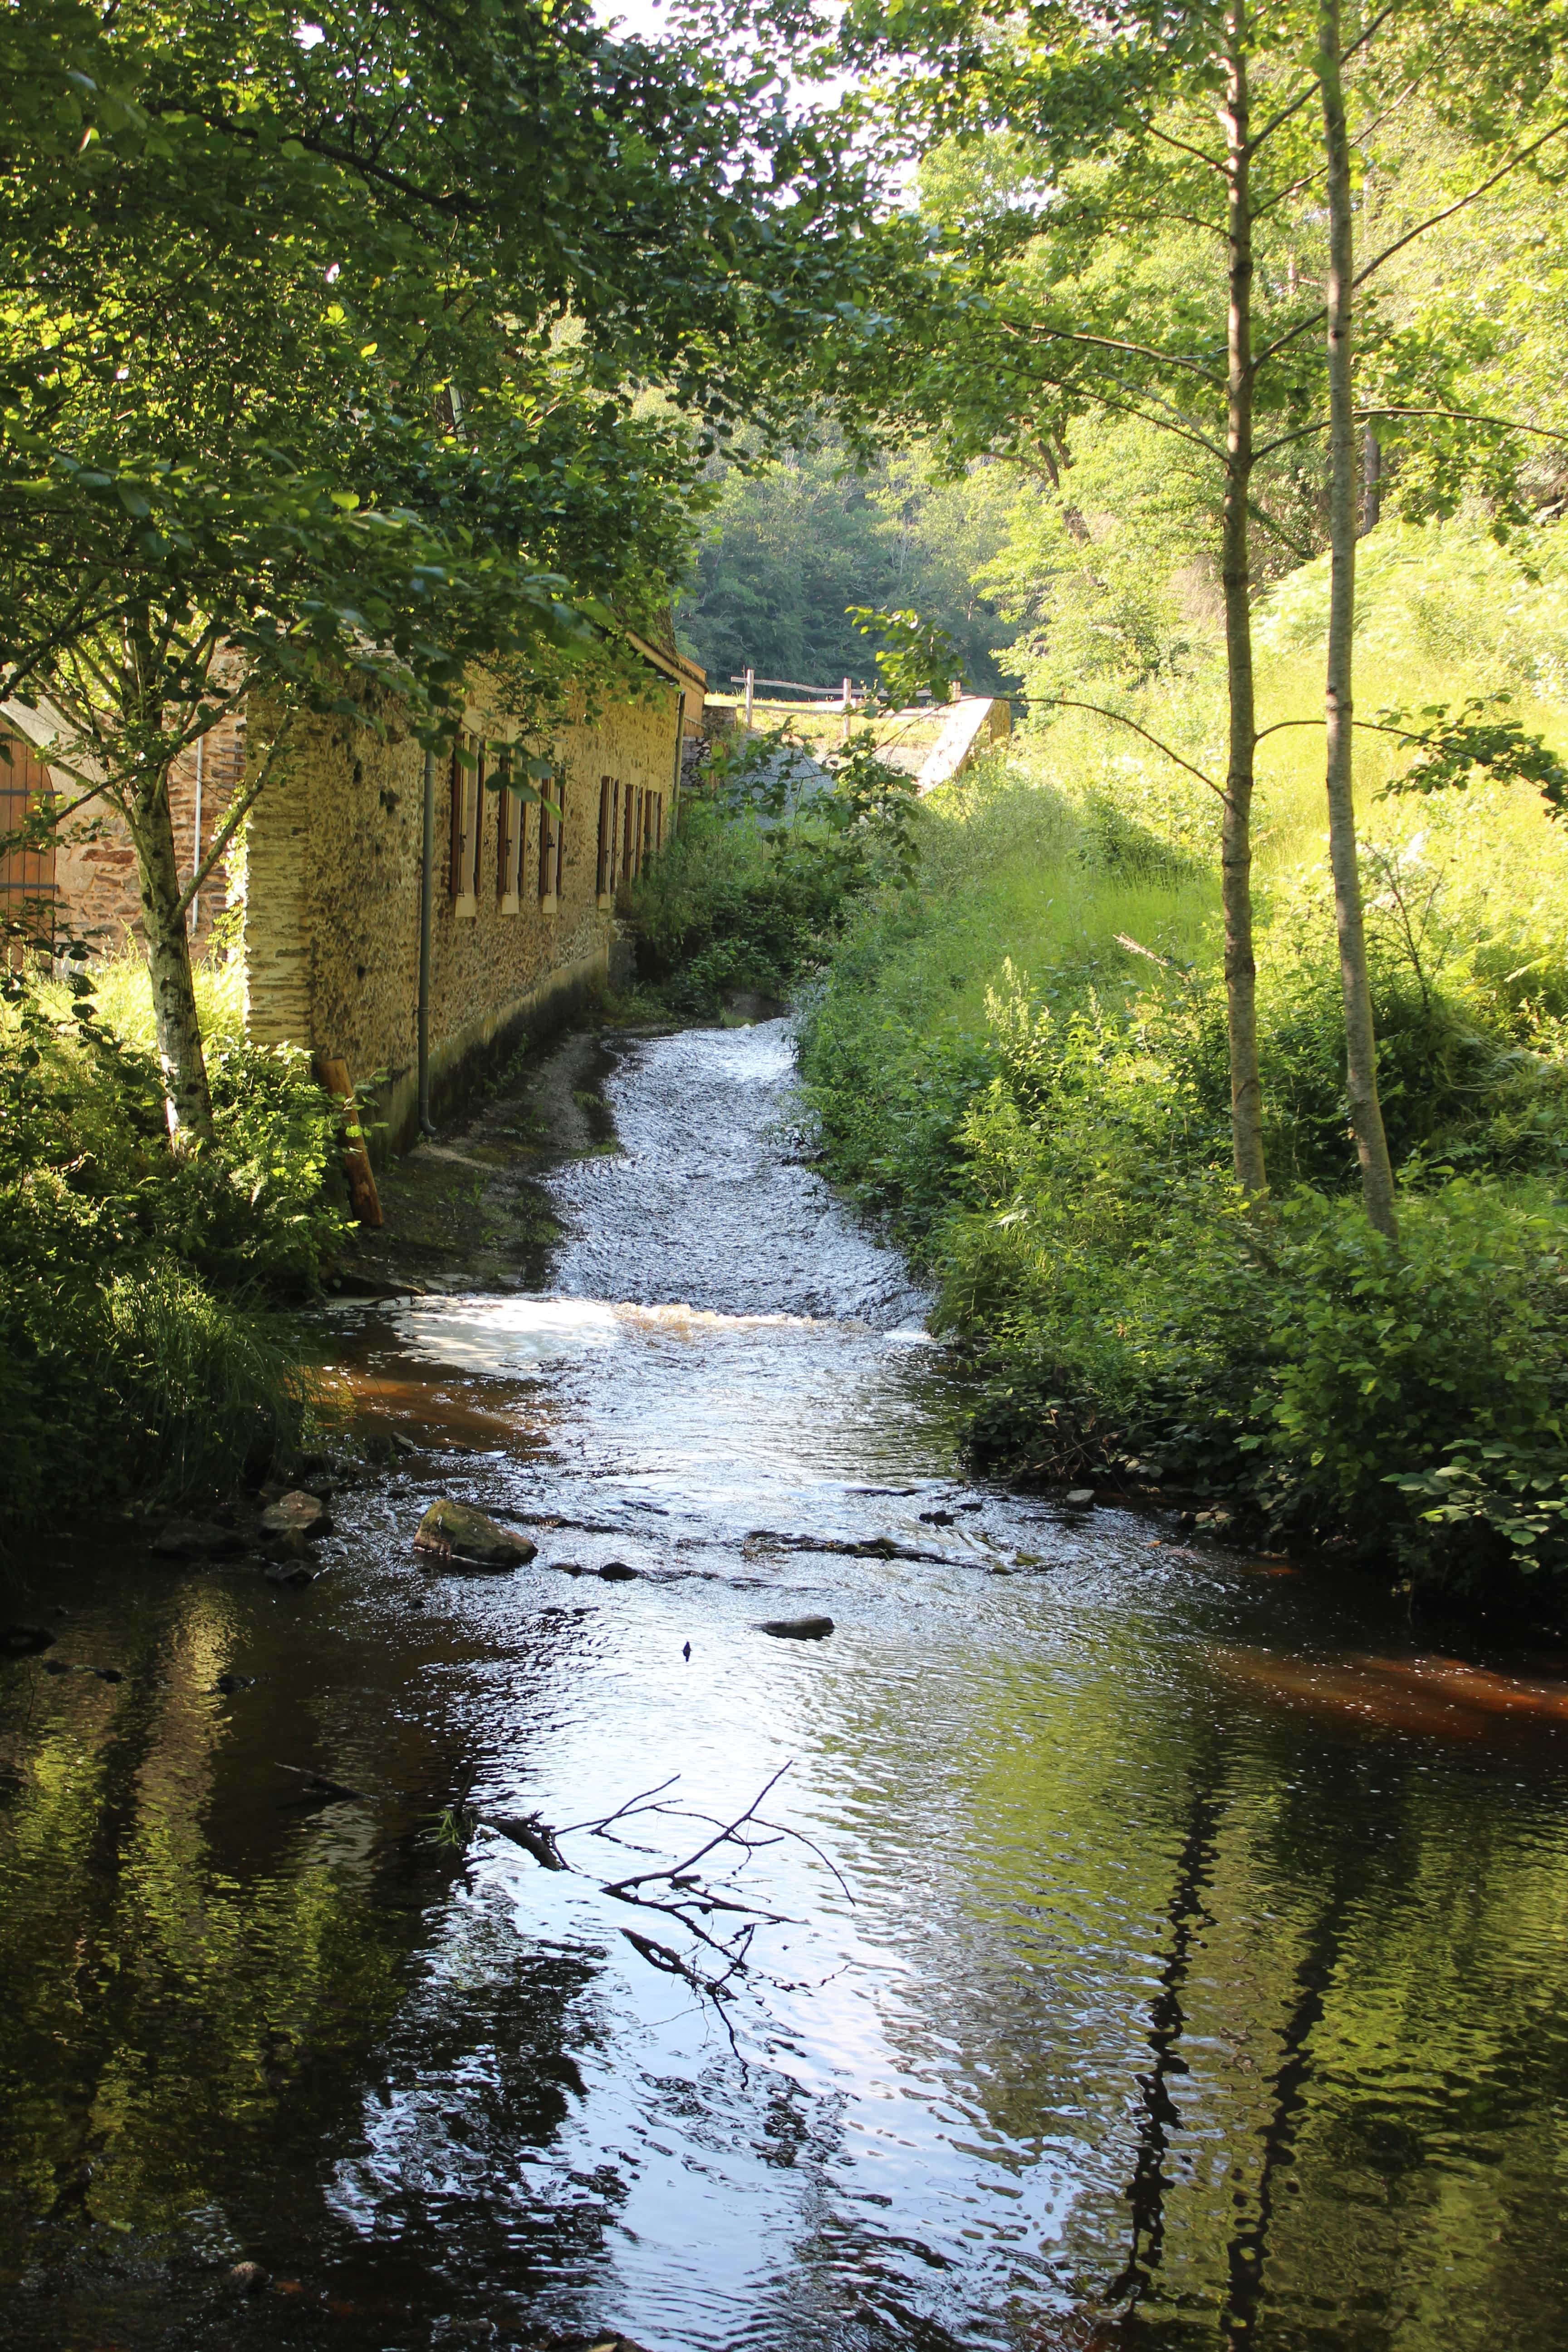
x,y
751,688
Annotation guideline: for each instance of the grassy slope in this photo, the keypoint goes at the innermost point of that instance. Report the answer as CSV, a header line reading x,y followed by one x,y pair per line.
x,y
1048,1181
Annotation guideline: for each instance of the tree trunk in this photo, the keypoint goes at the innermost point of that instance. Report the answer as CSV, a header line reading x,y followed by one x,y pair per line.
x,y
189,1101
1236,852
1361,1042
1370,481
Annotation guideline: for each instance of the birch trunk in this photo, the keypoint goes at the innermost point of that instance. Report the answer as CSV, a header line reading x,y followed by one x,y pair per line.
x,y
1236,850
179,1030
1355,987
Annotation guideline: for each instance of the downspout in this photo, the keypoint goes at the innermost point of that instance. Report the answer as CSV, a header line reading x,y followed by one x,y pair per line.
x,y
426,900
679,743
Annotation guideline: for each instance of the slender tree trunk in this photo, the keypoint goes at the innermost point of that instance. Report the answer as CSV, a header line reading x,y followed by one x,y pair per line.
x,y
1370,481
1235,851
1361,1042
189,1101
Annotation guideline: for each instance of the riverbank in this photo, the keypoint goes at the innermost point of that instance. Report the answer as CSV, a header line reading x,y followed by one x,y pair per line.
x,y
1017,1061
307,2041
1019,1064
148,1350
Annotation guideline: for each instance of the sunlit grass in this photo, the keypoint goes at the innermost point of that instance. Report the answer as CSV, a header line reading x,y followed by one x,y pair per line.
x,y
124,997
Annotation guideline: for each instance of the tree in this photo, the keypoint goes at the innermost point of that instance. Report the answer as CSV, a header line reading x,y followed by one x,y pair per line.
x,y
1051,294
789,547
319,350
1123,147
1361,1042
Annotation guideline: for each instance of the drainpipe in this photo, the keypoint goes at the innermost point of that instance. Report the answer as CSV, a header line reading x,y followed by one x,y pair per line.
x,y
196,841
679,743
427,897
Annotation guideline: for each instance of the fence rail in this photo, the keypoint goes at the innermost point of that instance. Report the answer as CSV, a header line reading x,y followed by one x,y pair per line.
x,y
823,693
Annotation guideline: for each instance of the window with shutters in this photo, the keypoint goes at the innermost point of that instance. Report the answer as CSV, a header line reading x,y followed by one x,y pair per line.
x,y
512,839
604,882
468,805
551,843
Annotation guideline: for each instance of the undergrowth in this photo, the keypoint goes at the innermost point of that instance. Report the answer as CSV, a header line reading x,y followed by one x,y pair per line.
x,y
772,853
1017,1058
145,1351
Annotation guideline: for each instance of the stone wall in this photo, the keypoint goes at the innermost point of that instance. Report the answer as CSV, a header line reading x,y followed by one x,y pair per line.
x,y
95,866
331,885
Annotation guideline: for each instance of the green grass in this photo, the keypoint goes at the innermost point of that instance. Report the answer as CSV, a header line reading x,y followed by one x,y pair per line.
x,y
124,996
1020,1062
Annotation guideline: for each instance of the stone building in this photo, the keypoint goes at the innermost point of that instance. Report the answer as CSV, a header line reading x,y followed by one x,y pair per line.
x,y
523,907
325,890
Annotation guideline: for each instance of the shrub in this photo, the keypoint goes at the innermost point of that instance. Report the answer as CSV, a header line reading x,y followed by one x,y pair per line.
x,y
140,1352
759,877
1057,1154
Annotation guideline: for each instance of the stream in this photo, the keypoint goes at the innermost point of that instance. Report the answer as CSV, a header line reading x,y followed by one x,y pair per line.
x,y
1153,1946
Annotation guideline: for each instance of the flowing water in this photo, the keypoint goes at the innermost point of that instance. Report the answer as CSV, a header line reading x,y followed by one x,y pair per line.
x,y
1170,1952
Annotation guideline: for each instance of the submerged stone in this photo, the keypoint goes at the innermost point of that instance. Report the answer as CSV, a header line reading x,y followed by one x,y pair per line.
x,y
196,1539
25,1641
458,1532
290,1572
297,1513
798,1629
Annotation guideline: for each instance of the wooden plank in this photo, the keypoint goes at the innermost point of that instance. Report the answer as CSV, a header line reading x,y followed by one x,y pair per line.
x,y
364,1198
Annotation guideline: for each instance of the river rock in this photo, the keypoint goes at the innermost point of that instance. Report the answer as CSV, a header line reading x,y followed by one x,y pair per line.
x,y
288,1571
798,1629
26,1640
1079,1499
196,1539
248,2278
297,1513
617,1572
457,1531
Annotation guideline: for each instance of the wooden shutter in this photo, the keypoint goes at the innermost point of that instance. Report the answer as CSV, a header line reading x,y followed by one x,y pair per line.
x,y
458,837
27,891
546,846
606,840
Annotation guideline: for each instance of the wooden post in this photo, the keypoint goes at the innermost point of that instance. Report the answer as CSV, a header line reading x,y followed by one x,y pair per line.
x,y
364,1198
751,689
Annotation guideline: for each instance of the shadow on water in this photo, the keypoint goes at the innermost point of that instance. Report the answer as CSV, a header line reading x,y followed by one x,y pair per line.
x,y
1189,1971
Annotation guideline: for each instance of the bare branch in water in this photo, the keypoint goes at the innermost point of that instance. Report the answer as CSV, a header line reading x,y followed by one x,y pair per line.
x,y
680,1891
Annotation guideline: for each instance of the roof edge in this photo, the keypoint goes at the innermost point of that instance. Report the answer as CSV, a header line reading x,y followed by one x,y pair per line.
x,y
674,665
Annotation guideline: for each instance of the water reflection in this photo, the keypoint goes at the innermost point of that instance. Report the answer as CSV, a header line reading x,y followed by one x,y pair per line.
x,y
1201,1977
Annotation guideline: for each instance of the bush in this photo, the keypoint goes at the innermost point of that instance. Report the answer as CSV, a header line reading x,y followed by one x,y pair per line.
x,y
758,880
1055,1148
141,1348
